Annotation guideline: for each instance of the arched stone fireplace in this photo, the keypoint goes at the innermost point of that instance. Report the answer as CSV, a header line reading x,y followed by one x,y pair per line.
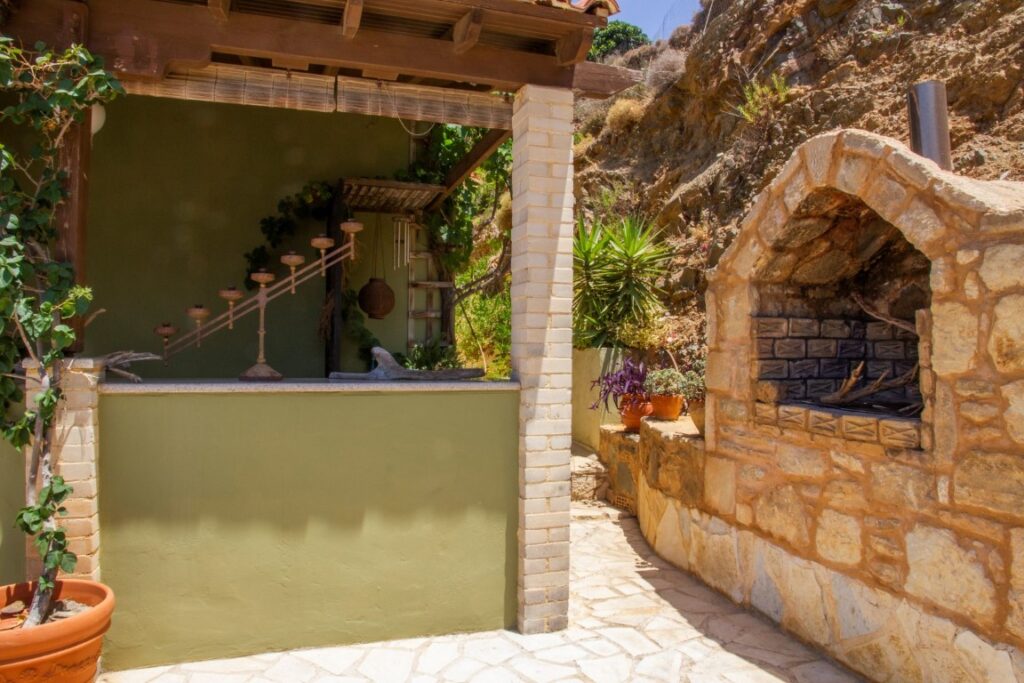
x,y
879,513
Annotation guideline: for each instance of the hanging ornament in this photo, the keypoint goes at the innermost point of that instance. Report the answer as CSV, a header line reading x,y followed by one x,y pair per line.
x,y
376,298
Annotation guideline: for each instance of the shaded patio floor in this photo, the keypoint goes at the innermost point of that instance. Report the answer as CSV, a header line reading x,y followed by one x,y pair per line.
x,y
633,618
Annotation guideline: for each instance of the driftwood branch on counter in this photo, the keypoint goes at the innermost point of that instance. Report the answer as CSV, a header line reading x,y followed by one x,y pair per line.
x,y
388,369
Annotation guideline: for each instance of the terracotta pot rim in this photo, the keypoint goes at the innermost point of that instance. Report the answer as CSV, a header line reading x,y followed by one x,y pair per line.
x,y
18,644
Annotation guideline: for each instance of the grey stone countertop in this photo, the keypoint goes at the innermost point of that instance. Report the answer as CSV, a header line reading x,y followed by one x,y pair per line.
x,y
299,386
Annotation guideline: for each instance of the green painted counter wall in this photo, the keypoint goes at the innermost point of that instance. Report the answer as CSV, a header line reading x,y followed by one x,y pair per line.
x,y
237,524
176,193
12,497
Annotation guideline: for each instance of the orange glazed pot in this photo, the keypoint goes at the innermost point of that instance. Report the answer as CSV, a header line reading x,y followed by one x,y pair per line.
x,y
632,409
667,407
65,651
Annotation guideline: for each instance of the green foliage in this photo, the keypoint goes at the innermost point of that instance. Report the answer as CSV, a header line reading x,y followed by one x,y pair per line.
x,y
644,335
354,325
483,324
432,356
51,542
665,382
49,92
450,230
483,320
692,385
616,268
313,202
617,37
762,98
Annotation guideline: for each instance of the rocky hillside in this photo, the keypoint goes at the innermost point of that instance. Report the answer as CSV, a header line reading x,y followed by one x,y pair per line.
x,y
678,149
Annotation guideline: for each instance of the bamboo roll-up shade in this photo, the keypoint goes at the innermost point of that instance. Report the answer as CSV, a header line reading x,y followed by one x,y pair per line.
x,y
238,85
423,103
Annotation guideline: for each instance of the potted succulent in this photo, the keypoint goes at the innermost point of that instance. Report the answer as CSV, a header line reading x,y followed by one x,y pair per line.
x,y
665,387
51,628
625,388
693,391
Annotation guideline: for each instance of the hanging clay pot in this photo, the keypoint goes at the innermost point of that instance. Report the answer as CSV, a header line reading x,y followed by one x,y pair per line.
x,y
376,298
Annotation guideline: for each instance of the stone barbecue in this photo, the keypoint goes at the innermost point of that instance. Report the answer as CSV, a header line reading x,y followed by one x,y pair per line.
x,y
879,515
835,333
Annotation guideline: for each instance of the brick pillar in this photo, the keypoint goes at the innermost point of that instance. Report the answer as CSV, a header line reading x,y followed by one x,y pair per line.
x,y
75,458
542,226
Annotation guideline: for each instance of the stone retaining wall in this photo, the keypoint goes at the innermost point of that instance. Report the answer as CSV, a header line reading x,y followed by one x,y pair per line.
x,y
824,591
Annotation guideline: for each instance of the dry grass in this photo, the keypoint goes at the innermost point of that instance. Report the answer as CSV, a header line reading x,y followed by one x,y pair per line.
x,y
665,70
624,115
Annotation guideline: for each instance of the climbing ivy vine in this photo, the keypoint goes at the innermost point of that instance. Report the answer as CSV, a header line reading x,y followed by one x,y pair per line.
x,y
49,94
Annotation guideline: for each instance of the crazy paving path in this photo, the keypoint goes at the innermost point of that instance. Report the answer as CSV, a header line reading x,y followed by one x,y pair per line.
x,y
634,618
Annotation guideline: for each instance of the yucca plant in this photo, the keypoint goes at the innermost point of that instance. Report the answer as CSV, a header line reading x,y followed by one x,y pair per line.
x,y
590,273
616,270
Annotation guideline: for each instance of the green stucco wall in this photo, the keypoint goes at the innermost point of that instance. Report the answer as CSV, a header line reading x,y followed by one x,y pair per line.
x,y
587,366
177,190
237,524
12,497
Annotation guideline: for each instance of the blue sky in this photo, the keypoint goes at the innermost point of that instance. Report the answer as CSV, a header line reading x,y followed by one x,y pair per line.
x,y
657,17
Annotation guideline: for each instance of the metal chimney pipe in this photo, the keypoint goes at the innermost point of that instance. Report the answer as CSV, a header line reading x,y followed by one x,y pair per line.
x,y
929,124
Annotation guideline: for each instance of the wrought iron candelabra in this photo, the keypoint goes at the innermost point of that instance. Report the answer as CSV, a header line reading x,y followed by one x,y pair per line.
x,y
270,288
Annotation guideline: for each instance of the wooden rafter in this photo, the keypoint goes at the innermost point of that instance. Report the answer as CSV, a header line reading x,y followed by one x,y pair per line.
x,y
351,18
573,48
466,32
481,151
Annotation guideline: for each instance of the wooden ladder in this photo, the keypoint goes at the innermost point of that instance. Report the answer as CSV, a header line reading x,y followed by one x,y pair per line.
x,y
425,261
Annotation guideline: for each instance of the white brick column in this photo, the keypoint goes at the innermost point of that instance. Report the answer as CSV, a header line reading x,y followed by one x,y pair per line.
x,y
75,456
542,226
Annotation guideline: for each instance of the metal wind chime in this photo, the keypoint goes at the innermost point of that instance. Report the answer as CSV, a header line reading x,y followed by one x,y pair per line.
x,y
403,231
238,305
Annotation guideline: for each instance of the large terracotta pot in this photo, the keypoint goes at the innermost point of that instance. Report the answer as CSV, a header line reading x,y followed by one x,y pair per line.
x,y
65,651
667,407
632,409
696,410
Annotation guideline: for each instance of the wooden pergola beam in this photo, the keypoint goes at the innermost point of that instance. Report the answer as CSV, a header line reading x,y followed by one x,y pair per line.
x,y
480,152
351,18
146,39
600,81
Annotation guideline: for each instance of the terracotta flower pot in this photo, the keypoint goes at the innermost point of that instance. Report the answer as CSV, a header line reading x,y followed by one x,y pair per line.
x,y
632,409
65,651
696,410
667,407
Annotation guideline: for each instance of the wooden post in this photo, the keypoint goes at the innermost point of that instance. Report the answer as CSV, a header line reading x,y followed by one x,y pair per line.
x,y
75,154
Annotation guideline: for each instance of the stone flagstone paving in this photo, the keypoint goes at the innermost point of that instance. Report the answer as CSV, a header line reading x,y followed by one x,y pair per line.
x,y
633,618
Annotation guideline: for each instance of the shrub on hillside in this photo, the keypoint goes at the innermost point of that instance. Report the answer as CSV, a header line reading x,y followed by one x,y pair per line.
x,y
623,115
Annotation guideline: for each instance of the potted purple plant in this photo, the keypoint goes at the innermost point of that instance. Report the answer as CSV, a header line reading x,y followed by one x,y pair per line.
x,y
625,388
